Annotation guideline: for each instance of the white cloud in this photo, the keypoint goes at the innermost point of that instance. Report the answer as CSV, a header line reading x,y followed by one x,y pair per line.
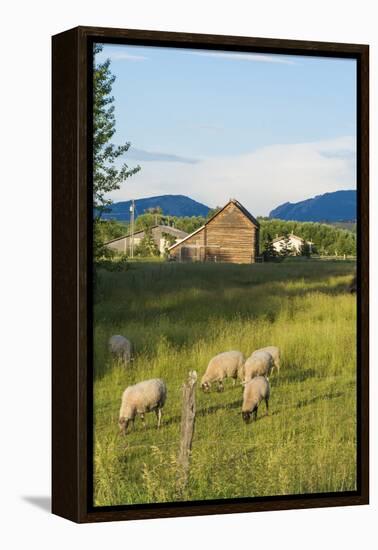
x,y
261,58
261,180
119,55
143,155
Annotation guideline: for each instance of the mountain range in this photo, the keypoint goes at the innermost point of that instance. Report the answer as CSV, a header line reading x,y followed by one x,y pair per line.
x,y
171,205
339,206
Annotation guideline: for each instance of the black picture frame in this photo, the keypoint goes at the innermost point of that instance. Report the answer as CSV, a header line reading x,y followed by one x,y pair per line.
x,y
72,407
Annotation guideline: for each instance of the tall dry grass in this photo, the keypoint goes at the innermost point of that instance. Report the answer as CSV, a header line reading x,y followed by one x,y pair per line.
x,y
179,316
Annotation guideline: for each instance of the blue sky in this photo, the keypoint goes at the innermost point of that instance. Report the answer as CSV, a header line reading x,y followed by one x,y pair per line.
x,y
263,128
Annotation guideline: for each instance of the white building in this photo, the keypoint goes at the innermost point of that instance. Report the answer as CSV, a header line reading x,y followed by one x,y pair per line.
x,y
293,243
124,244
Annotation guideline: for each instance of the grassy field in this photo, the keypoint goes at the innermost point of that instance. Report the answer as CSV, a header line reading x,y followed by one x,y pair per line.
x,y
178,317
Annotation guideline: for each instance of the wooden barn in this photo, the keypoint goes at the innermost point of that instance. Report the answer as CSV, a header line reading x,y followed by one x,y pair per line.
x,y
231,235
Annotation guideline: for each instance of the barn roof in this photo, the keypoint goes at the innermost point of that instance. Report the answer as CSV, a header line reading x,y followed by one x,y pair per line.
x,y
242,208
123,237
164,228
187,237
277,239
233,201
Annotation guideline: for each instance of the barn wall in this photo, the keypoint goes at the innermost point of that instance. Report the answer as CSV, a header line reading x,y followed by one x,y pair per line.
x,y
228,237
118,246
123,245
235,234
190,250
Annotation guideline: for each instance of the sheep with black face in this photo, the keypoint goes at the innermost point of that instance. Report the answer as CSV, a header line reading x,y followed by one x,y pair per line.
x,y
228,364
144,397
255,391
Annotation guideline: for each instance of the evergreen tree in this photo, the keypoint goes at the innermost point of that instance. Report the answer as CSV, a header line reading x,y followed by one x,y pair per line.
x,y
268,251
169,241
286,249
305,250
147,247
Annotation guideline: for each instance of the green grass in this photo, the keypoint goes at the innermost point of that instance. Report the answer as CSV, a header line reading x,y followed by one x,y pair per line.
x,y
178,317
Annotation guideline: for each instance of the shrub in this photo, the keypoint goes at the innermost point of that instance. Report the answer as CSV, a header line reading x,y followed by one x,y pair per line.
x,y
113,263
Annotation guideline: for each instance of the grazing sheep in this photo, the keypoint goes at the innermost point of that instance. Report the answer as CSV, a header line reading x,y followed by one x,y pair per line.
x,y
255,391
228,364
275,353
141,398
259,364
121,348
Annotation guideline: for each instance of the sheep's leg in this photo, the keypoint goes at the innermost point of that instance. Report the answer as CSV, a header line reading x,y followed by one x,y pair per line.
x,y
143,420
267,406
240,375
255,414
220,385
158,416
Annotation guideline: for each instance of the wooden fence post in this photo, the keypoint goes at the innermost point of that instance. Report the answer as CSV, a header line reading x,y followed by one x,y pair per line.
x,y
187,428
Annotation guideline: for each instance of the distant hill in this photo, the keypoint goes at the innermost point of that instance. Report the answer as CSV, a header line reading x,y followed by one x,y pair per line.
x,y
171,205
339,206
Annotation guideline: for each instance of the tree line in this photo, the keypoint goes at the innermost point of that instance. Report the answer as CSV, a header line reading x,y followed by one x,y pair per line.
x,y
327,240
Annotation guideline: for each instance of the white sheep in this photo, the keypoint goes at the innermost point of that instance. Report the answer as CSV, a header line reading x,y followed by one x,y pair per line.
x,y
228,364
146,396
255,391
275,353
258,364
121,347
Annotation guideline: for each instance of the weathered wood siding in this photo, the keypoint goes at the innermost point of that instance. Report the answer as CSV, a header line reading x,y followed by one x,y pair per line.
x,y
192,249
235,234
229,237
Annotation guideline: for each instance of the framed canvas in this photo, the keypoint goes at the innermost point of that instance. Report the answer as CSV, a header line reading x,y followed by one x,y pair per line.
x,y
210,274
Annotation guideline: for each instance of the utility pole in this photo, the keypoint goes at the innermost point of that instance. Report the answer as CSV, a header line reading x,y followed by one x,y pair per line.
x,y
132,208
